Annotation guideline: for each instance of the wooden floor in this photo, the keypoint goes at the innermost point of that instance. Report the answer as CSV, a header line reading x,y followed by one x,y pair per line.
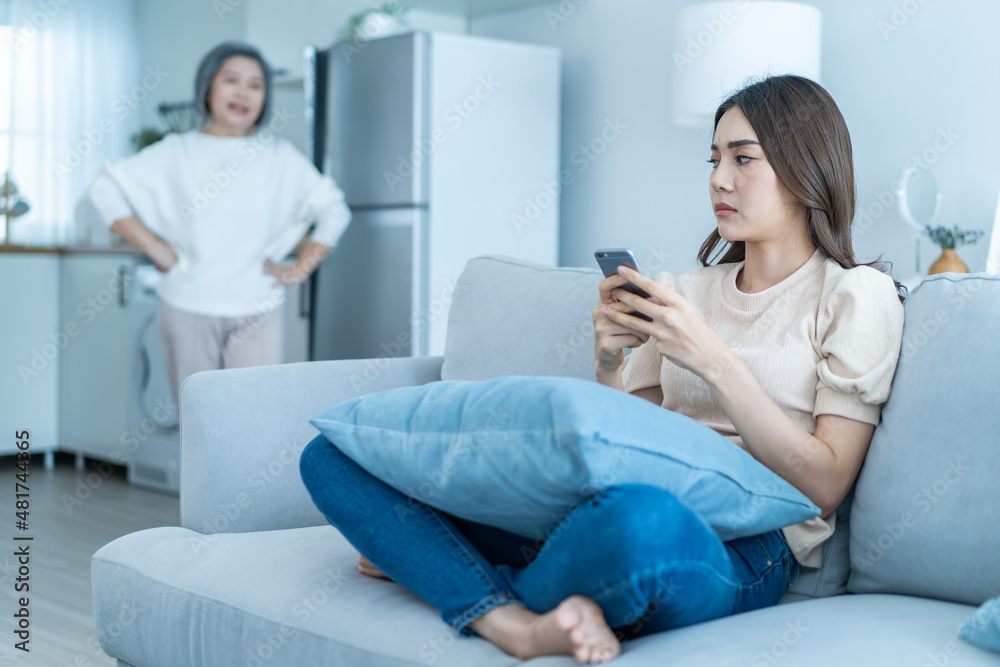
x,y
66,534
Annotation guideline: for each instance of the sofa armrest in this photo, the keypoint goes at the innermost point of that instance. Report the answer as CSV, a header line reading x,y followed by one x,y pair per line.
x,y
243,430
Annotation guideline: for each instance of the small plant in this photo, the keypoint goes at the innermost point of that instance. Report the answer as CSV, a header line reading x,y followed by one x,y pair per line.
x,y
146,137
950,238
353,29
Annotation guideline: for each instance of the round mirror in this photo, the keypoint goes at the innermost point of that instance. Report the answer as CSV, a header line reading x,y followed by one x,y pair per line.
x,y
918,197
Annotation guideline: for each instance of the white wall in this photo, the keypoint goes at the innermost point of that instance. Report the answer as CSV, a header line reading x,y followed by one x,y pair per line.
x,y
282,28
897,89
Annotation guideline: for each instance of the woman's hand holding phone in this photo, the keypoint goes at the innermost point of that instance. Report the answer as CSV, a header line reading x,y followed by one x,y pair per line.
x,y
633,308
611,338
682,335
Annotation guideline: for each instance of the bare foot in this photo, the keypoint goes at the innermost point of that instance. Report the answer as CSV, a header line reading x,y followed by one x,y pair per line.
x,y
576,627
582,618
365,566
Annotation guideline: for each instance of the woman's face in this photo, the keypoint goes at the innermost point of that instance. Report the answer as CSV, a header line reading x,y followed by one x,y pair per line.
x,y
749,201
236,96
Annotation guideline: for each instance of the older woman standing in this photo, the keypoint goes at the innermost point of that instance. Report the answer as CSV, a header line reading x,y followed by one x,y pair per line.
x,y
215,209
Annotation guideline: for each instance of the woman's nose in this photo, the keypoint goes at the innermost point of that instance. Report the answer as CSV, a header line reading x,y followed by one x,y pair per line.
x,y
720,179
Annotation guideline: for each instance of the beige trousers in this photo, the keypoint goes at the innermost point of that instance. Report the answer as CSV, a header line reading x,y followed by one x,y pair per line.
x,y
193,343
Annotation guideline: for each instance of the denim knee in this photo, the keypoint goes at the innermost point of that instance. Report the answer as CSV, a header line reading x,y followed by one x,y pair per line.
x,y
311,457
320,463
648,519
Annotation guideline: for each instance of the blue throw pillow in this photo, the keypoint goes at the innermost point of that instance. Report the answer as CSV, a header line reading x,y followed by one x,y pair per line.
x,y
519,453
983,627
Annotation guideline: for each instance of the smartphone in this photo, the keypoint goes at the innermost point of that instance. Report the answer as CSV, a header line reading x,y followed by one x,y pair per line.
x,y
609,259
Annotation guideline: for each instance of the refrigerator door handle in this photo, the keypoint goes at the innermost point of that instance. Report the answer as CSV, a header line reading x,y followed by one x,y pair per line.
x,y
305,294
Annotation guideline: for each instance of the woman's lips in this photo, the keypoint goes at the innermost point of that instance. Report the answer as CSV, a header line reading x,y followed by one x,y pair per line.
x,y
239,108
724,210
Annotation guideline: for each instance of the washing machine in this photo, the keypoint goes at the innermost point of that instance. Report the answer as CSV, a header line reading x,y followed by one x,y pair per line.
x,y
154,438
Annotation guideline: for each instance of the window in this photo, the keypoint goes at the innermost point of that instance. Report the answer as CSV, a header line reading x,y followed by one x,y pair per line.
x,y
21,119
62,64
5,86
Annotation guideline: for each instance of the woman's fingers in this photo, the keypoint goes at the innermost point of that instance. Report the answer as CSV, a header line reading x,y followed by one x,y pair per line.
x,y
285,275
614,328
651,287
616,323
608,284
603,324
628,305
619,306
630,340
632,323
633,302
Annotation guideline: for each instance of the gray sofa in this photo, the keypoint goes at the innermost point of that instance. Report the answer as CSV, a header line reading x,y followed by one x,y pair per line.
x,y
255,575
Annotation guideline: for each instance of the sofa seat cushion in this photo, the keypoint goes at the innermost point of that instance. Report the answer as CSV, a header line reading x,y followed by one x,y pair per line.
x,y
856,630
170,596
294,597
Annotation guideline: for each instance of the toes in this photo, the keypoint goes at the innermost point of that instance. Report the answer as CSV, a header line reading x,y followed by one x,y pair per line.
x,y
595,654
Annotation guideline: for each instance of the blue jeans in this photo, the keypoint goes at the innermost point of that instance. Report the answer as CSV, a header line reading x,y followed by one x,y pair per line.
x,y
647,559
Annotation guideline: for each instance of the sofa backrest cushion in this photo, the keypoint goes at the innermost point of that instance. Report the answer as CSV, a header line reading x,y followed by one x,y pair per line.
x,y
926,514
511,317
830,578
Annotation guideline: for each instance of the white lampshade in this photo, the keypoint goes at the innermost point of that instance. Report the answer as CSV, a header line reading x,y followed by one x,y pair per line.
x,y
993,258
718,45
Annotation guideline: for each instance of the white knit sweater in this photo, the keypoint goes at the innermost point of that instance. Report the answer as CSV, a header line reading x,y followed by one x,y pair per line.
x,y
224,204
825,340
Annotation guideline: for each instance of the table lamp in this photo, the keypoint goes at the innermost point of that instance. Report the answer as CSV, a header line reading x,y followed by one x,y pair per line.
x,y
718,46
993,257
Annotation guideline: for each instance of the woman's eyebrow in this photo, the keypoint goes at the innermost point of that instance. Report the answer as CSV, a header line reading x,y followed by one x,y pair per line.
x,y
737,144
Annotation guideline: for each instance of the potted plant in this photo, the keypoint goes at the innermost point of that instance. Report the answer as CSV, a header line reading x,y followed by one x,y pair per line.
x,y
948,239
385,19
146,136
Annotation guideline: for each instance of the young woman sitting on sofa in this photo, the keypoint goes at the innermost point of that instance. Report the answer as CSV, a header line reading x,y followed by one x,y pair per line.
x,y
786,346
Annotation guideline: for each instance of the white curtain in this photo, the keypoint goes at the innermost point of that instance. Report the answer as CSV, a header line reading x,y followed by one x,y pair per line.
x,y
74,83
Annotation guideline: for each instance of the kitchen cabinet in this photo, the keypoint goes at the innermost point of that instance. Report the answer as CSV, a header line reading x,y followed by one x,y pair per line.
x,y
97,383
96,367
67,350
31,343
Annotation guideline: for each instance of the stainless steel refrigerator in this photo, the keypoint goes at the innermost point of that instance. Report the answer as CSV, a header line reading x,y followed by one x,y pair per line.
x,y
447,148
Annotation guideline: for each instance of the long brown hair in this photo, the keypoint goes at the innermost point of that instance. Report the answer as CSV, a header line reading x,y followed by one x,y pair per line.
x,y
806,141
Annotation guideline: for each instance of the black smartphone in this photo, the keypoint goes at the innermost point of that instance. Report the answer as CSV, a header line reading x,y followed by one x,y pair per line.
x,y
609,259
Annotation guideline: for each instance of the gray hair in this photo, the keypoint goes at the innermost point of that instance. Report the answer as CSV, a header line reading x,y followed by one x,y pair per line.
x,y
210,66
